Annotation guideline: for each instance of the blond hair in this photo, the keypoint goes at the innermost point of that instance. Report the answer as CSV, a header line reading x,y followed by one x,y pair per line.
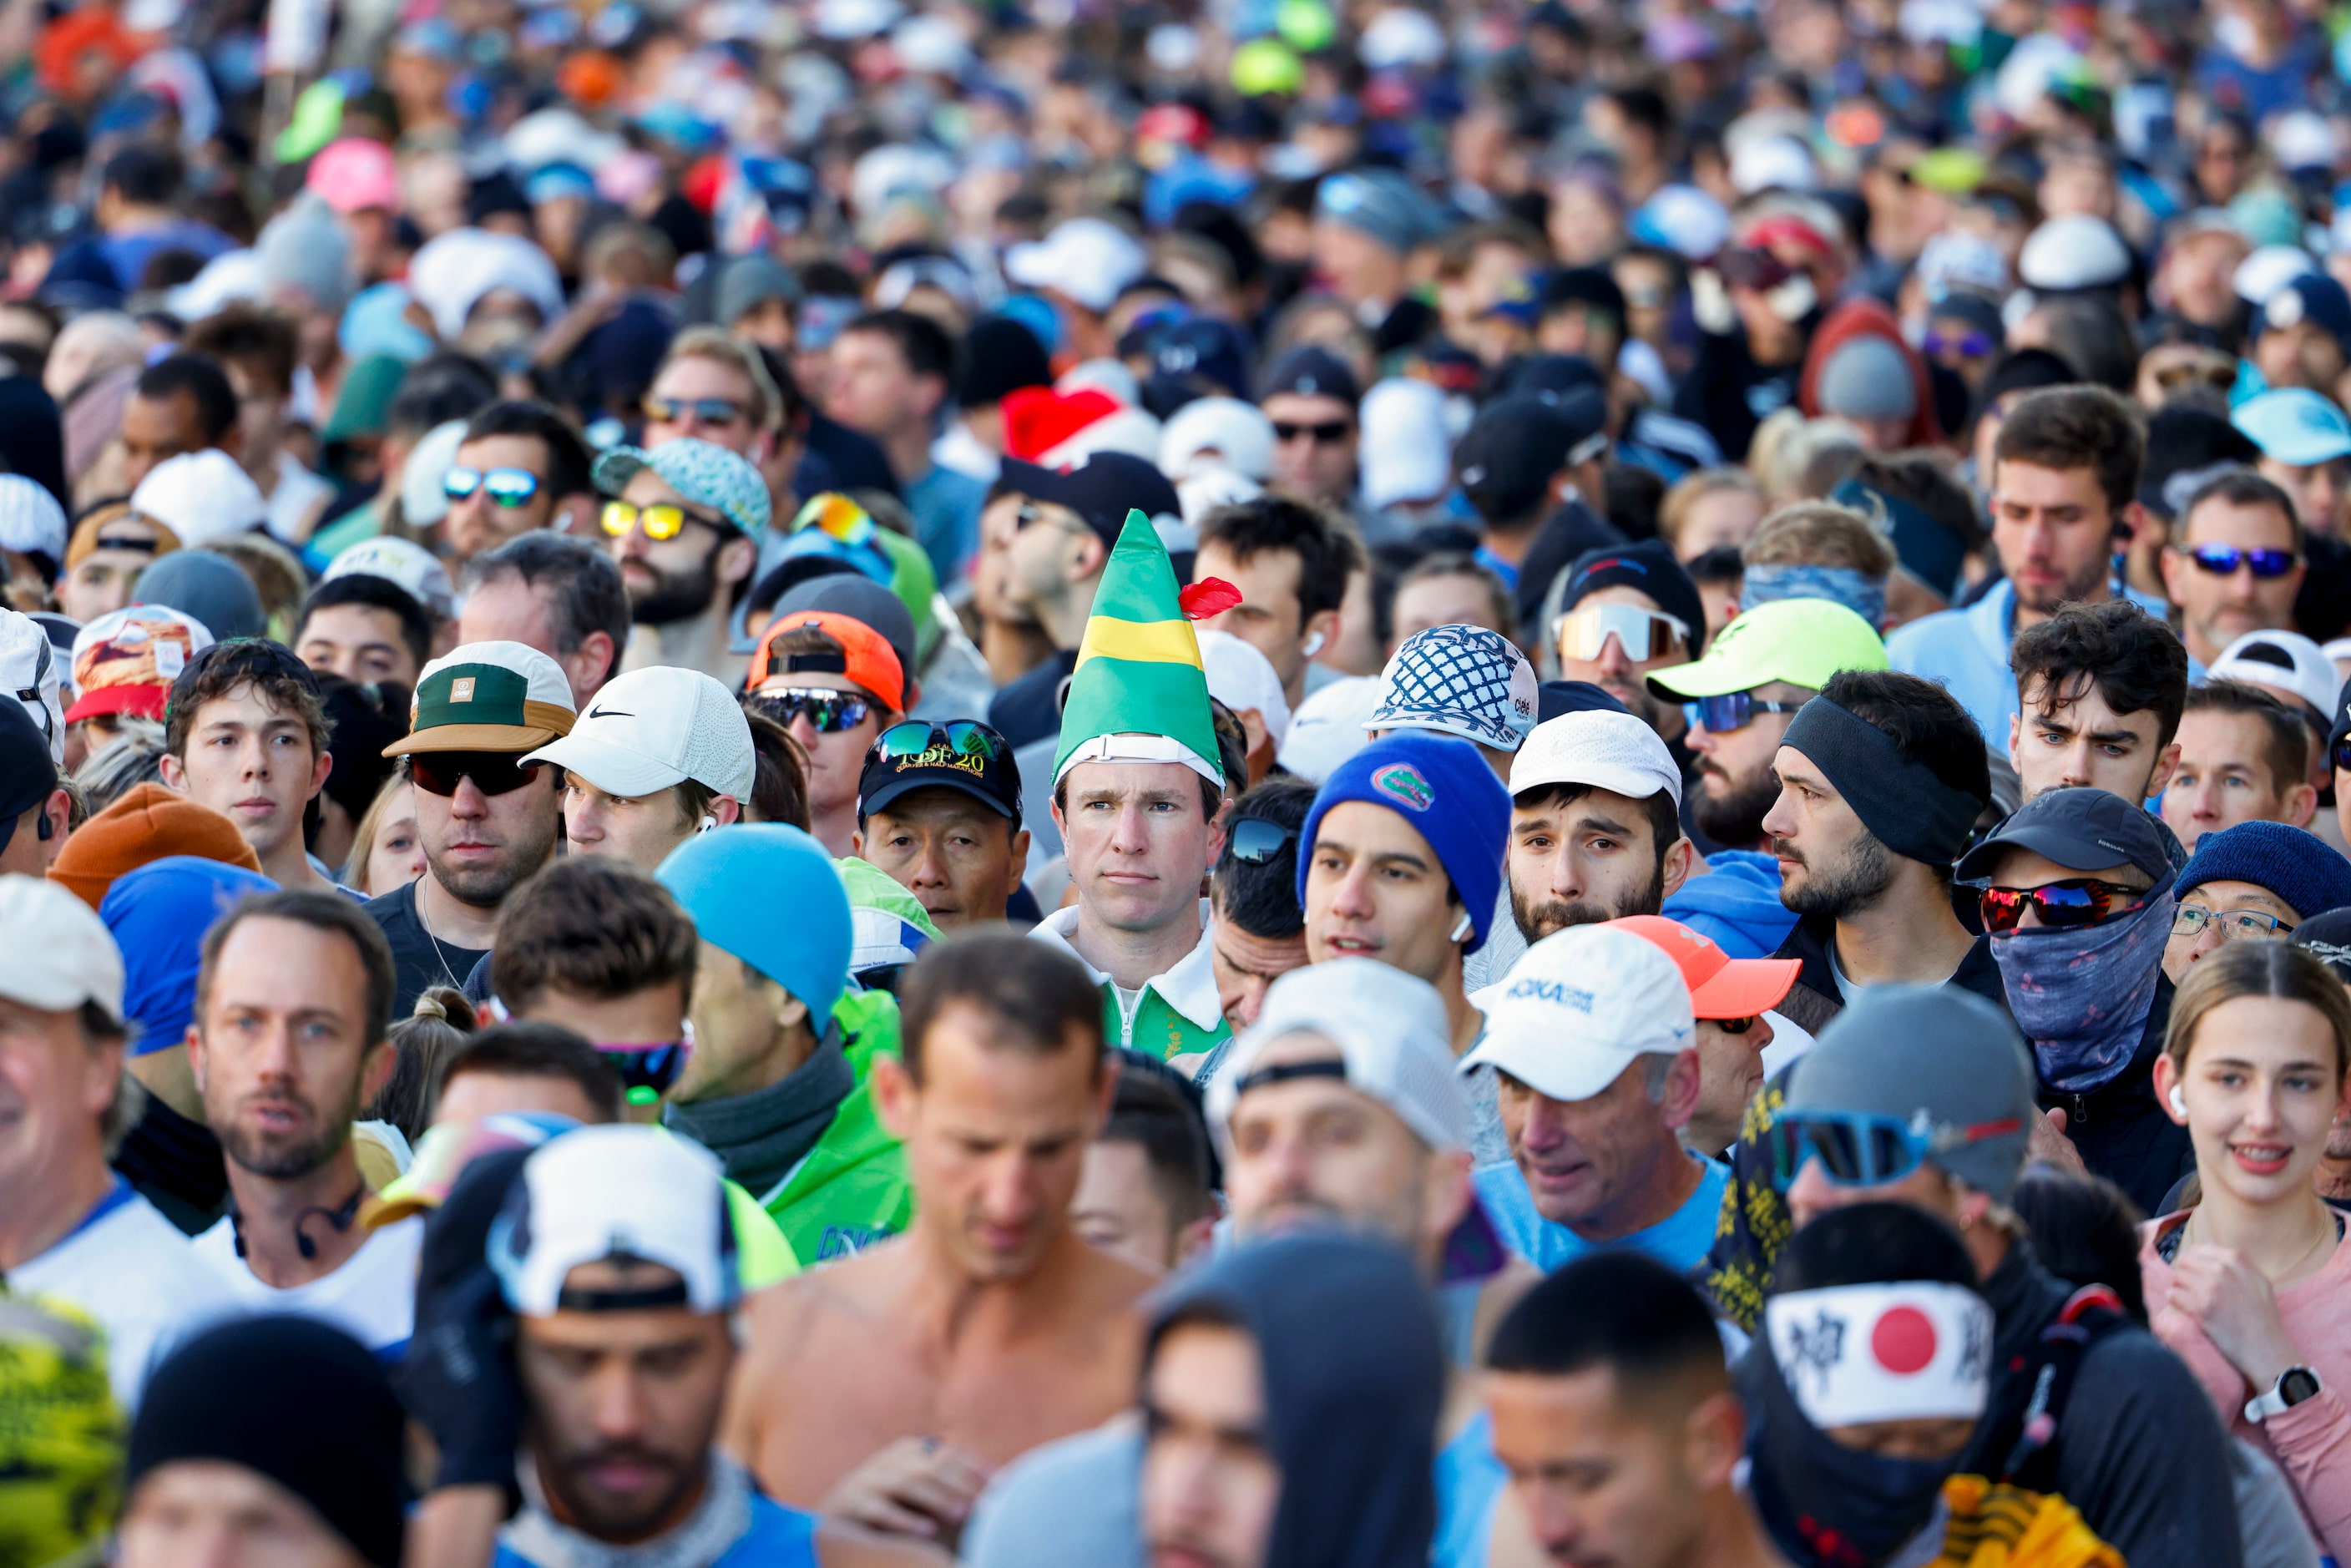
x,y
717,343
1819,533
1673,511
2277,969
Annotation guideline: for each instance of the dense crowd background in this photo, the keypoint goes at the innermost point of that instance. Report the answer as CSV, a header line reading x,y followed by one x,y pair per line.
x,y
1257,785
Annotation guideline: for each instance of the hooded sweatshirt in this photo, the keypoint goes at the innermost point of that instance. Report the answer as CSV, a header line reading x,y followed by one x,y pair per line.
x,y
1868,318
1355,1377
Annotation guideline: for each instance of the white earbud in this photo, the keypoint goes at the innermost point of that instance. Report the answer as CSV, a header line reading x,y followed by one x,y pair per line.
x,y
708,823
2178,1101
1461,927
1313,643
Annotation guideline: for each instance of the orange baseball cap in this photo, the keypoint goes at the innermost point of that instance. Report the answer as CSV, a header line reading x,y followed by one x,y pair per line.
x,y
866,656
1720,986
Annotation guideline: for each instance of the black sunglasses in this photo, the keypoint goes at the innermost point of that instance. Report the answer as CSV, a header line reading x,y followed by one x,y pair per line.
x,y
1256,841
493,772
1328,433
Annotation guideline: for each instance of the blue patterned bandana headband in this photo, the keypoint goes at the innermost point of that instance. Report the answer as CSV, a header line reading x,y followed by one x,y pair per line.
x,y
1767,584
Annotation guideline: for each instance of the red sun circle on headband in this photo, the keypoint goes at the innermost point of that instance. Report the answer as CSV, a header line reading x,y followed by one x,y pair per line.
x,y
1904,1340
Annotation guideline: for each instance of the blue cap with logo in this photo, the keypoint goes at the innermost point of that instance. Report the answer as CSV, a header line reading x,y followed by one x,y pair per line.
x,y
2295,425
1441,785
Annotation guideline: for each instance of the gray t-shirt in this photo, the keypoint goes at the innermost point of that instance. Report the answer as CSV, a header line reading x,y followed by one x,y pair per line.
x,y
1073,1503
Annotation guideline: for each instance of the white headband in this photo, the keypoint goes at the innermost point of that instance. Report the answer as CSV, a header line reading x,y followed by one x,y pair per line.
x,y
1139,747
1856,1354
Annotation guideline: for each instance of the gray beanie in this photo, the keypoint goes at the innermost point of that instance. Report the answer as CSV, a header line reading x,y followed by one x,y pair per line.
x,y
304,247
1931,1054
1868,378
208,586
751,281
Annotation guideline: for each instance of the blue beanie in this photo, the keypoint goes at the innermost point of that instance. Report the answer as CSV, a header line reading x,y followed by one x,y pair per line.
x,y
159,915
2301,868
1444,789
768,894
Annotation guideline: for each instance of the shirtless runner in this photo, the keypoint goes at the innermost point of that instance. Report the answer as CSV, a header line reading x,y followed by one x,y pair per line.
x,y
888,1388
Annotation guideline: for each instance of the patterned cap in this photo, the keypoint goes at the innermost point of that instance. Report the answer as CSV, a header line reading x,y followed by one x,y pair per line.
x,y
410,566
706,474
1459,680
488,697
125,661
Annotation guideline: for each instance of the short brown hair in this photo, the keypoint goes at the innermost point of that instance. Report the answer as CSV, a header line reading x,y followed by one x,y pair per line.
x,y
2076,426
2241,487
283,680
1819,533
264,343
2277,969
331,912
1149,1111
593,926
2137,662
534,1051
1036,997
1461,563
1673,511
779,787
2285,740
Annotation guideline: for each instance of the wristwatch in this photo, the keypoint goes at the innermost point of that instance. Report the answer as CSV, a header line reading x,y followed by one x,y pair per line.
x,y
2294,1385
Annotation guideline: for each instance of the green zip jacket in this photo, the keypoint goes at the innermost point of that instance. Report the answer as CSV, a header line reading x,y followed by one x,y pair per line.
x,y
851,1189
1177,1014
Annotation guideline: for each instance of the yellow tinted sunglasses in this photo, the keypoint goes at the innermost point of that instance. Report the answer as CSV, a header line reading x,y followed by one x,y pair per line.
x,y
659,521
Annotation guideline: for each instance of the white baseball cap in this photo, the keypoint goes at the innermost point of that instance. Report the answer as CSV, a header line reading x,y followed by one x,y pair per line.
x,y
2284,661
1611,751
29,671
655,728
423,500
1580,1006
63,954
619,1191
404,563
1243,678
200,496
1087,259
1393,1039
31,521
1217,432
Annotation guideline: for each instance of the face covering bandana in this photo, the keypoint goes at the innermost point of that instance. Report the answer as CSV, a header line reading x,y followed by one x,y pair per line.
x,y
2082,994
1825,1505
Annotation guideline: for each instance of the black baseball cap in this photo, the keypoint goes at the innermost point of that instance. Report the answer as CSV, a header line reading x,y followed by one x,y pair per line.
x,y
1648,566
860,598
963,755
1101,491
2081,829
1507,456
1557,699
27,774
1310,371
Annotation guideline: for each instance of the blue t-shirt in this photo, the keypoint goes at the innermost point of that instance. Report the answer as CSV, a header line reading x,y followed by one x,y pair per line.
x,y
779,1537
1679,1240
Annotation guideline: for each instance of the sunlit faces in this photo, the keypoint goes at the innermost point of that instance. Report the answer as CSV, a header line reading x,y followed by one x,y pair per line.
x,y
1735,784
1623,676
1139,838
1269,617
2072,738
1246,967
1376,889
2226,776
1604,1477
1578,861
2261,1087
99,584
1587,1162
2223,911
640,829
960,859
1210,1484
218,1511
1445,599
1829,863
255,763
996,1137
2221,589
712,401
481,847
361,643
2053,531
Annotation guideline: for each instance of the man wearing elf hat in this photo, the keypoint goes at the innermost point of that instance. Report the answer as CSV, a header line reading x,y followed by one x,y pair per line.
x,y
1136,787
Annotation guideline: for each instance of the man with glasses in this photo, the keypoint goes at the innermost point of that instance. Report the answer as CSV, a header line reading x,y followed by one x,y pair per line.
x,y
1925,1097
660,755
2255,882
1310,395
1625,613
686,523
938,807
487,819
2075,895
1738,702
519,466
713,386
836,685
2234,565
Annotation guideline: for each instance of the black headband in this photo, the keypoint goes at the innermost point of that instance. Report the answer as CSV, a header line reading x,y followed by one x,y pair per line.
x,y
1283,1071
1914,813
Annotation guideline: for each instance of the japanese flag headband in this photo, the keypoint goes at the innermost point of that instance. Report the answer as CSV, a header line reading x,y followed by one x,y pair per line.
x,y
1856,1354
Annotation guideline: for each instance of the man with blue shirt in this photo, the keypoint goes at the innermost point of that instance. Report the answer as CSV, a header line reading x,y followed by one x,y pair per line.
x,y
1596,1044
2065,473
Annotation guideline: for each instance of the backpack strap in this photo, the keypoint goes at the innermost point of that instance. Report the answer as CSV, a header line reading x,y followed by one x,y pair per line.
x,y
2026,1441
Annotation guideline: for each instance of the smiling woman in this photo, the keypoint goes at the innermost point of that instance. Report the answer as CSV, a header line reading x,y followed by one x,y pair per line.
x,y
2248,1286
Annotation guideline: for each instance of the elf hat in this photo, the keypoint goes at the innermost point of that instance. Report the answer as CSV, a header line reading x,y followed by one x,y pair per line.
x,y
1139,692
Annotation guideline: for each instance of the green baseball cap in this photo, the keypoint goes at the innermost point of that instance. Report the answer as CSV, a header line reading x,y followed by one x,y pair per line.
x,y
488,697
1802,642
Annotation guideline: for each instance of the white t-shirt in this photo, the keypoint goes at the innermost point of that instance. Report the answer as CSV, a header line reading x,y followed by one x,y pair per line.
x,y
298,490
372,1297
131,1269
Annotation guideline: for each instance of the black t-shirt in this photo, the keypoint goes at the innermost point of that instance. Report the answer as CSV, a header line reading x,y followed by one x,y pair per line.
x,y
418,960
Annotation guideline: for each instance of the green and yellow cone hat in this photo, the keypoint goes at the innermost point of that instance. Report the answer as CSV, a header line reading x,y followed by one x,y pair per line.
x,y
1139,694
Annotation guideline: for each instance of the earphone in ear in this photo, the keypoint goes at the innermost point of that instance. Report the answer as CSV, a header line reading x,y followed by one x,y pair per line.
x,y
2178,1101
1461,927
43,829
708,823
1313,643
